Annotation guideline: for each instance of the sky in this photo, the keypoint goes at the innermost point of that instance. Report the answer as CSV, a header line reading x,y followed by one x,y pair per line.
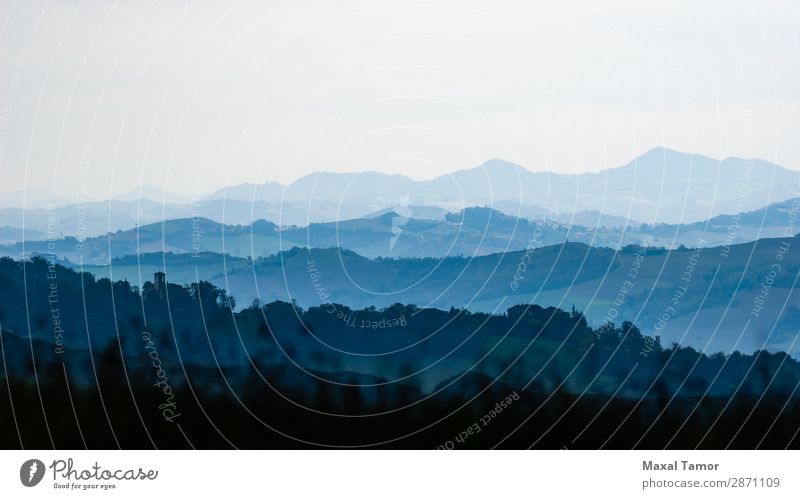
x,y
98,97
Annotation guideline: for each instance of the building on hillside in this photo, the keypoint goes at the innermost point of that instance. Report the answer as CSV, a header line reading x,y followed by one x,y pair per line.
x,y
156,288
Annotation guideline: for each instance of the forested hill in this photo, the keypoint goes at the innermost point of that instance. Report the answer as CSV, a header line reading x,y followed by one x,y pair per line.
x,y
195,324
279,375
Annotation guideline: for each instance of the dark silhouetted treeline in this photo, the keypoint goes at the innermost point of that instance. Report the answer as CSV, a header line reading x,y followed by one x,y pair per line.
x,y
101,364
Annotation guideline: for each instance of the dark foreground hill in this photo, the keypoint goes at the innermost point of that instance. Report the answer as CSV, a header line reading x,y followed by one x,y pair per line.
x,y
91,362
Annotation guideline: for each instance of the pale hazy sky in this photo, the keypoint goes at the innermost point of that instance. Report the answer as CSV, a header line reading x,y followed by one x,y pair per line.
x,y
100,96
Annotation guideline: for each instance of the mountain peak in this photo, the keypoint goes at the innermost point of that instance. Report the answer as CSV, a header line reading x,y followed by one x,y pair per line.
x,y
501,164
663,153
152,193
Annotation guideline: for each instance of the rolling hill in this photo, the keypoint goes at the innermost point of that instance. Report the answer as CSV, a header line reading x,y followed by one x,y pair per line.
x,y
714,298
470,232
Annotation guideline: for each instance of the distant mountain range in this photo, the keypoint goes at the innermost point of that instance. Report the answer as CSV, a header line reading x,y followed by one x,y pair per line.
x,y
661,186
